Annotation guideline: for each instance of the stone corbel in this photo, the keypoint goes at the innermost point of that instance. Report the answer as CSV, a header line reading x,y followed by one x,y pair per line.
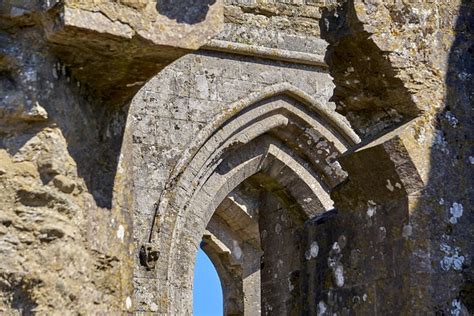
x,y
383,169
115,47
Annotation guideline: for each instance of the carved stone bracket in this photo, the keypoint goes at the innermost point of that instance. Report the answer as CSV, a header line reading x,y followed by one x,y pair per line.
x,y
148,256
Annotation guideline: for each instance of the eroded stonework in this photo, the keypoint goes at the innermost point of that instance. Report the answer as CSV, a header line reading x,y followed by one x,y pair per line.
x,y
320,152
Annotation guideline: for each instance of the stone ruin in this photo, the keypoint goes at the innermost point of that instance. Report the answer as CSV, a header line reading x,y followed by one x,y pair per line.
x,y
319,151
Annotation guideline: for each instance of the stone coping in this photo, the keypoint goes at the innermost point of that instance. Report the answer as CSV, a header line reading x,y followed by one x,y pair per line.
x,y
266,53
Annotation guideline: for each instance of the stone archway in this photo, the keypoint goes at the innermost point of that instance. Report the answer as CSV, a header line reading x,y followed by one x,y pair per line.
x,y
86,190
285,145
276,138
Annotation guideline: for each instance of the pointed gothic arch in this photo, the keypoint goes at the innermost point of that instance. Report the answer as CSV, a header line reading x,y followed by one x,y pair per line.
x,y
281,134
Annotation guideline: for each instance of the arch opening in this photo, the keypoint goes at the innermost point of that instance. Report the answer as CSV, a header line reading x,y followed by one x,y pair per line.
x,y
268,278
284,151
254,239
207,287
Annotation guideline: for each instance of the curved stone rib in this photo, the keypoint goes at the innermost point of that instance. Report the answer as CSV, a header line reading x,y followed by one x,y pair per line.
x,y
240,129
288,166
250,133
237,168
277,108
315,149
297,168
342,131
240,125
209,156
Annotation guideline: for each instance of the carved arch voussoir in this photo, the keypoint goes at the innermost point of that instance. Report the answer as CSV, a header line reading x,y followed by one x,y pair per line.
x,y
196,188
246,162
339,126
242,122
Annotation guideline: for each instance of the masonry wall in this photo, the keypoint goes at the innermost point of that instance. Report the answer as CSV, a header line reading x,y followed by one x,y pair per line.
x,y
80,181
432,226
61,244
66,78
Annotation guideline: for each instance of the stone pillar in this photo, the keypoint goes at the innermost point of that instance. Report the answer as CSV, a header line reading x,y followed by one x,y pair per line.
x,y
280,269
251,276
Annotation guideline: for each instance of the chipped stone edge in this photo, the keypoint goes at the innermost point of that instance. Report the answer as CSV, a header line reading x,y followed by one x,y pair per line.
x,y
96,21
266,53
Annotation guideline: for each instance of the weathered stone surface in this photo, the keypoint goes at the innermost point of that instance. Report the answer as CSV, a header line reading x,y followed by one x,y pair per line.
x,y
315,188
436,142
64,240
135,41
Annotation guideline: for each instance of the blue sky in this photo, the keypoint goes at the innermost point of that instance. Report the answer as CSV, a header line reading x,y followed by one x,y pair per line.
x,y
207,291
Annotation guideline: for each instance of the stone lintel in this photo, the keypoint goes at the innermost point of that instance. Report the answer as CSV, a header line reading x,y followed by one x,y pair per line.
x,y
115,47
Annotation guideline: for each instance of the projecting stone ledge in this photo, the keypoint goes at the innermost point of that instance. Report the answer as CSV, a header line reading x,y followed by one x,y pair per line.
x,y
116,46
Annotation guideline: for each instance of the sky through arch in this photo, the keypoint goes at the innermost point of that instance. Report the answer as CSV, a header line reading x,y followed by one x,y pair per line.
x,y
207,290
